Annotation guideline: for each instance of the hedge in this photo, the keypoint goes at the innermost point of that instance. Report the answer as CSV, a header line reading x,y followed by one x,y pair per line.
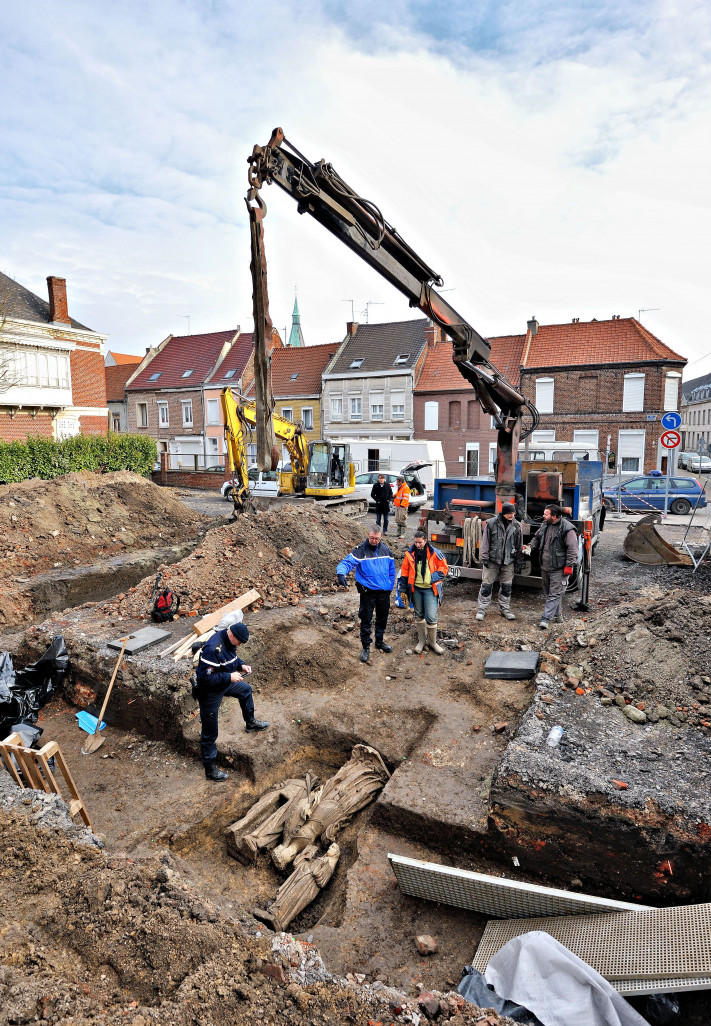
x,y
45,458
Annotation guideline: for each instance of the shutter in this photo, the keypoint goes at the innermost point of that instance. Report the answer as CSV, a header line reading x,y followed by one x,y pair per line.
x,y
633,395
631,444
671,392
586,439
431,416
544,395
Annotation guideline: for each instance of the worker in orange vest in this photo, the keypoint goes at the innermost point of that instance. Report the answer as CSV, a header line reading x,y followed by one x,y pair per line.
x,y
401,503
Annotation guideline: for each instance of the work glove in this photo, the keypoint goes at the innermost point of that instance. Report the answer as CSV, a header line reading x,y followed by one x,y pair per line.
x,y
485,563
437,576
567,571
343,583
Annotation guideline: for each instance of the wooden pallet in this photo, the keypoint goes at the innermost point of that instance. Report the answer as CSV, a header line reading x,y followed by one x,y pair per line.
x,y
36,772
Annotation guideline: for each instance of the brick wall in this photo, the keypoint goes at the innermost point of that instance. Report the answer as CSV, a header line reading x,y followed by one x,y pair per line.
x,y
23,426
88,379
94,425
461,420
175,413
590,398
188,479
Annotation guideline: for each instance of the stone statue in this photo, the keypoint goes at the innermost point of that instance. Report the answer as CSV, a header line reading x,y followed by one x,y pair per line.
x,y
287,803
311,874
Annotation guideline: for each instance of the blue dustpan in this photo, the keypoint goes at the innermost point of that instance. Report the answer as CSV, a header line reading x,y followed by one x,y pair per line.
x,y
88,722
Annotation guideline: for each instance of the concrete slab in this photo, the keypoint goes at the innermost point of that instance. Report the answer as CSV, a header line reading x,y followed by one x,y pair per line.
x,y
139,640
511,665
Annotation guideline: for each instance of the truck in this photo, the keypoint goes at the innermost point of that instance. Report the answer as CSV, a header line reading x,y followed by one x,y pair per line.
x,y
383,454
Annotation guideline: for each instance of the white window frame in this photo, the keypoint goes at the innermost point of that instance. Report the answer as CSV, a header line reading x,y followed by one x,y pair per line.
x,y
401,360
336,407
307,417
287,413
638,456
142,415
632,397
377,405
671,391
472,447
542,437
492,457
395,406
187,411
545,394
163,415
213,454
587,439
431,415
213,404
356,364
355,407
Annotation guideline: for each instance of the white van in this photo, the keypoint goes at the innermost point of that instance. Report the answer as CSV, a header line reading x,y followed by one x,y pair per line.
x,y
373,454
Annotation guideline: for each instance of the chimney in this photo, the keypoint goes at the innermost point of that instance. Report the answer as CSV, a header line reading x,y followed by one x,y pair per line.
x,y
352,327
432,335
533,326
58,312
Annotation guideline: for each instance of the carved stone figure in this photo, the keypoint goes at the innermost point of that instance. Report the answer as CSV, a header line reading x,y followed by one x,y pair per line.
x,y
311,874
264,825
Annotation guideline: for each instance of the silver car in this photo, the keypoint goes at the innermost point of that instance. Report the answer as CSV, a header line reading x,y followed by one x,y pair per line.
x,y
418,493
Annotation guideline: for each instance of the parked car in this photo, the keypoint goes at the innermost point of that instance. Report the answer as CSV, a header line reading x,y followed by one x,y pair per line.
x,y
264,483
699,464
418,493
645,494
683,458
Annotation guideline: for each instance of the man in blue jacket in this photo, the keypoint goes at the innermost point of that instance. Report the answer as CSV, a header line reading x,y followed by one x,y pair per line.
x,y
374,569
219,675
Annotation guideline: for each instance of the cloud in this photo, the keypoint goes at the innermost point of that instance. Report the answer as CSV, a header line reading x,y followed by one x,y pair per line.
x,y
544,157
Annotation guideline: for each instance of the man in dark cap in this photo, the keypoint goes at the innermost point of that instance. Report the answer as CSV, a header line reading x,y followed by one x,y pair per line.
x,y
219,675
501,553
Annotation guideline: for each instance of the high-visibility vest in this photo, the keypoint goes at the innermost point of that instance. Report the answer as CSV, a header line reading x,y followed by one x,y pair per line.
x,y
402,496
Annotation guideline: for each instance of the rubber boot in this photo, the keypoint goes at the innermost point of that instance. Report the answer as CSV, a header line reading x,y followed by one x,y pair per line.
x,y
432,639
421,636
213,773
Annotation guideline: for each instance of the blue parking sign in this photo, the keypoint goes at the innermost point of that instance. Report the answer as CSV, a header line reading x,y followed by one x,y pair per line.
x,y
671,421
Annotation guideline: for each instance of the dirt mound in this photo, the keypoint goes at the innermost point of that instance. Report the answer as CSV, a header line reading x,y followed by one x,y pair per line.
x,y
83,517
91,934
283,555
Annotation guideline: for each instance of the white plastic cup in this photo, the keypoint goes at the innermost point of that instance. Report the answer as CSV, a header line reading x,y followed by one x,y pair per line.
x,y
554,736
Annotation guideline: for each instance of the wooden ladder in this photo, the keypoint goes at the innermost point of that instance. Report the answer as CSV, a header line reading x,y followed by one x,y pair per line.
x,y
36,773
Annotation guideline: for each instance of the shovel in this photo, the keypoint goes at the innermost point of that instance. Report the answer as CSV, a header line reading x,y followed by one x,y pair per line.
x,y
95,740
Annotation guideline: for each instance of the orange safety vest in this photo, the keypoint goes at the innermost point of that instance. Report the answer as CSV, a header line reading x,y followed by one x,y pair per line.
x,y
402,496
435,561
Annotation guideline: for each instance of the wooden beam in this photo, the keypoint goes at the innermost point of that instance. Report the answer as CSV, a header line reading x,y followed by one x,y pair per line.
x,y
212,619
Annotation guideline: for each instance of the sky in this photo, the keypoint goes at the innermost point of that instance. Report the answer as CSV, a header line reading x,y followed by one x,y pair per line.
x,y
548,159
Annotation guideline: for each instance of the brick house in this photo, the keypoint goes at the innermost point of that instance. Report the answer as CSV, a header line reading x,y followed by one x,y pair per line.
x,y
51,366
447,410
602,379
167,395
368,385
118,368
296,379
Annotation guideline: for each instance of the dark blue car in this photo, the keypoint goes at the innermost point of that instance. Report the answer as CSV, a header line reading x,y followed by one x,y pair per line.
x,y
646,494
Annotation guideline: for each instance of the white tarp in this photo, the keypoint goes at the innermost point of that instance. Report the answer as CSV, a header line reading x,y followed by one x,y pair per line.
x,y
535,970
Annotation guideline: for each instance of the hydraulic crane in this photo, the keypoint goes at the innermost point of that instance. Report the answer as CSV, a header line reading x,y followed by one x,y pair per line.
x,y
357,222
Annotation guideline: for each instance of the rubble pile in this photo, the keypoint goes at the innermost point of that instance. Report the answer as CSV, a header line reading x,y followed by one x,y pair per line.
x,y
81,517
647,658
284,555
93,936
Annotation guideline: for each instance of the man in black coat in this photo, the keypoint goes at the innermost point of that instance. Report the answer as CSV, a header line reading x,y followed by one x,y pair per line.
x,y
382,495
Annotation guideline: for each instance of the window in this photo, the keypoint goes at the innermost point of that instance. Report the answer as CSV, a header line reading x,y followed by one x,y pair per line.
x,y
374,460
154,377
43,369
116,422
287,413
492,457
213,452
630,450
431,416
163,415
294,376
544,395
187,412
355,364
356,407
397,405
336,407
187,373
455,415
472,459
589,439
213,411
401,360
64,372
307,417
671,391
230,374
542,436
377,405
141,414
633,394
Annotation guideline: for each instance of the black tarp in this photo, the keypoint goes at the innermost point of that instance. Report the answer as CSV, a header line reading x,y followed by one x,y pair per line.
x,y
24,692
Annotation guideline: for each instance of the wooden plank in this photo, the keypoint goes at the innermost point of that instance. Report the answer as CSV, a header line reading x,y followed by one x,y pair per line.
x,y
212,619
29,769
72,788
176,644
8,762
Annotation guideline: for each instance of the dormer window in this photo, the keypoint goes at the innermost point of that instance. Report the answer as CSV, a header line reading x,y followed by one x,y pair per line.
x,y
355,364
230,374
187,373
401,360
154,377
294,376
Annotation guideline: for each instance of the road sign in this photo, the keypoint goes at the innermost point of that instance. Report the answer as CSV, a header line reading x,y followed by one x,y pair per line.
x,y
670,421
670,439
701,447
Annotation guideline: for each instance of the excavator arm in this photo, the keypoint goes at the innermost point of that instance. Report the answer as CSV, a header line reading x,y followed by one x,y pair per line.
x,y
357,222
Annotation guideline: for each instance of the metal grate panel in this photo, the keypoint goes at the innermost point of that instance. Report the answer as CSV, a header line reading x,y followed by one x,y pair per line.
x,y
493,895
644,945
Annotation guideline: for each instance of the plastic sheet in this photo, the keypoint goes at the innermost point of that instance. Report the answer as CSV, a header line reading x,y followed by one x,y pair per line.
x,y
23,692
535,970
474,988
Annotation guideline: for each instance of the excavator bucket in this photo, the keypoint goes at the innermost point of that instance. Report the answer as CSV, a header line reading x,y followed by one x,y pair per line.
x,y
643,545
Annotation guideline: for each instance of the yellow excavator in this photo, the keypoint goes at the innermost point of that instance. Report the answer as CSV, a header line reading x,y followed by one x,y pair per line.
x,y
322,470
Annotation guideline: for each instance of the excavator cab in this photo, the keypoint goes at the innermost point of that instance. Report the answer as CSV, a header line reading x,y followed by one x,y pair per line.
x,y
330,471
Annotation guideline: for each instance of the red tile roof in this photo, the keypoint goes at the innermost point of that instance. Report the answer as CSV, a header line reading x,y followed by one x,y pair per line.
x,y
620,340
116,378
308,362
236,360
125,358
181,353
440,373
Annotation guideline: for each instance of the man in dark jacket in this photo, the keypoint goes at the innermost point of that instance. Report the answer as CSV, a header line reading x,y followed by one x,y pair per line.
x,y
556,543
382,495
501,552
219,675
374,569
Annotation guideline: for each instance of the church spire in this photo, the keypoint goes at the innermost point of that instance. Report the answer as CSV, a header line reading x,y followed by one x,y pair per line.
x,y
296,338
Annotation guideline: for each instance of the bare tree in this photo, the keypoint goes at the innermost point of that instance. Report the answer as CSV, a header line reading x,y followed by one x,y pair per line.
x,y
8,367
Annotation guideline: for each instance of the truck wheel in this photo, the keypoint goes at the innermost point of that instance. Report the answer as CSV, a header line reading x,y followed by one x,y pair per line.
x,y
680,506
